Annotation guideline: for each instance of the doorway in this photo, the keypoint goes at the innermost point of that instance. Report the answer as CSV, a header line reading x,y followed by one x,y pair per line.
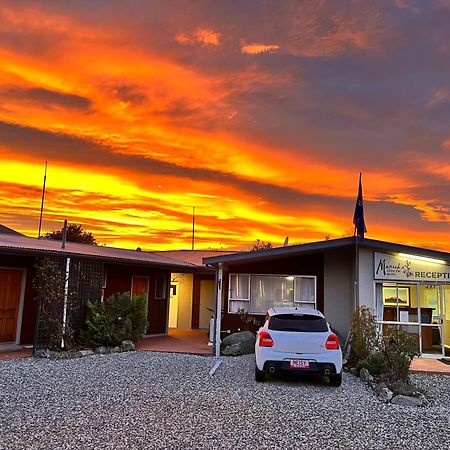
x,y
173,305
10,296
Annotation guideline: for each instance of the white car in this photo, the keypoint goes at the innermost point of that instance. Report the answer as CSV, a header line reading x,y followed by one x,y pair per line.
x,y
297,340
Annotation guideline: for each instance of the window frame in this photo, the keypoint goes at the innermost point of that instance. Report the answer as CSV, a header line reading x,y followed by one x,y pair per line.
x,y
248,300
236,299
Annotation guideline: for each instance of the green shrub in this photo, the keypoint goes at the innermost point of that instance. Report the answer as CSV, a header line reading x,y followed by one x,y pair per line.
x,y
121,317
388,357
364,335
375,363
399,349
392,360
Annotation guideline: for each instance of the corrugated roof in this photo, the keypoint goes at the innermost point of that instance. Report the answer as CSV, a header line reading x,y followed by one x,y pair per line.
x,y
314,247
23,244
194,256
6,230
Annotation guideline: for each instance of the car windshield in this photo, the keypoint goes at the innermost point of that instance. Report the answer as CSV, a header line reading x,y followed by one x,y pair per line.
x,y
298,322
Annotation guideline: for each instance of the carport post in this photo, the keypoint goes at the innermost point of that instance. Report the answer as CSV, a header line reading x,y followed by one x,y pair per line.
x,y
218,312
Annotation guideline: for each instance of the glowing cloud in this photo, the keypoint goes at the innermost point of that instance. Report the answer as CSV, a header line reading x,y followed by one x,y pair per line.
x,y
203,36
255,49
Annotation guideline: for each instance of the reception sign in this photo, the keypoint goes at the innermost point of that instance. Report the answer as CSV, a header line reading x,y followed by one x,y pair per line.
x,y
404,268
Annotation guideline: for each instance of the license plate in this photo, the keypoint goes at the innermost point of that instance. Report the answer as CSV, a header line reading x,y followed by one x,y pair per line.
x,y
299,364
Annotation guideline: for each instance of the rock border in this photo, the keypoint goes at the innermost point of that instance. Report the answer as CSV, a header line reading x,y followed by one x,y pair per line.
x,y
126,346
385,395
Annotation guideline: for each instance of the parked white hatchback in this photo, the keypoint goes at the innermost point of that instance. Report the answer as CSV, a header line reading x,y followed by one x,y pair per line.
x,y
297,340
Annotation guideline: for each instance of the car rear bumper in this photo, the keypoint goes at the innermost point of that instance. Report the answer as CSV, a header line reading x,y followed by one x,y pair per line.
x,y
316,368
331,359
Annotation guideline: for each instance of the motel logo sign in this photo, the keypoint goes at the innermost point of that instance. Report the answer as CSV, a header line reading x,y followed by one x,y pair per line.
x,y
404,268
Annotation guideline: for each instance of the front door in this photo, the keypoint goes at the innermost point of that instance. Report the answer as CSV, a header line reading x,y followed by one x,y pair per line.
x,y
10,284
432,318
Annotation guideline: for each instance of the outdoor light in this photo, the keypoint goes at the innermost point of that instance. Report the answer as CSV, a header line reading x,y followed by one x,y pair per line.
x,y
423,258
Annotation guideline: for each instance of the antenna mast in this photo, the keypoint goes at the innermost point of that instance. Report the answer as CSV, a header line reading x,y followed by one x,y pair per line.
x,y
193,227
42,200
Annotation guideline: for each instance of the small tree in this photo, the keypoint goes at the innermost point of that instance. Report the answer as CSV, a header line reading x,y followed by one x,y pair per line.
x,y
120,318
260,245
75,233
364,335
49,282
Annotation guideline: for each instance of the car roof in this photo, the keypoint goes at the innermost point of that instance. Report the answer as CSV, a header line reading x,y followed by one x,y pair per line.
x,y
293,310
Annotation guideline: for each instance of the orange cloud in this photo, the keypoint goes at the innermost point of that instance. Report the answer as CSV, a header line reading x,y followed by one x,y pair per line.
x,y
255,49
136,137
203,36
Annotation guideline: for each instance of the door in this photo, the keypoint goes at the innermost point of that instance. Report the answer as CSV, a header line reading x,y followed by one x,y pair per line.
x,y
207,302
10,284
432,313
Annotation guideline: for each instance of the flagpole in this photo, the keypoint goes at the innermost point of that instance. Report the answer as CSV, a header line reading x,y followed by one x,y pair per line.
x,y
356,272
42,200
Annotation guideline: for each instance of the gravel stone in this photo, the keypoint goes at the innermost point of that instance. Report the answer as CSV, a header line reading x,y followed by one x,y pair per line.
x,y
147,400
100,350
128,346
364,375
404,400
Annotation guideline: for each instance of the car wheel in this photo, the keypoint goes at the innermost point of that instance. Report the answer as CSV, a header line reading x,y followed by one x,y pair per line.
x,y
260,375
336,380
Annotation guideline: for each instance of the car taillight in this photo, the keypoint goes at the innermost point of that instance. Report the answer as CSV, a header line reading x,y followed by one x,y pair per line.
x,y
265,339
332,342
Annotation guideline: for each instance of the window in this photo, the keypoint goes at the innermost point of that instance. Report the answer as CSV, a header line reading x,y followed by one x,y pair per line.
x,y
305,292
160,287
258,293
239,287
294,322
267,291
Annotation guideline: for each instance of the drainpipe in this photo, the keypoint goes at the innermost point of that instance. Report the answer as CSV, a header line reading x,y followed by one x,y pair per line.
x,y
218,312
66,295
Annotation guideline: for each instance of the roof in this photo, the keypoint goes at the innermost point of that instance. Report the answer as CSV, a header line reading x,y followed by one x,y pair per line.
x,y
293,310
6,230
194,256
26,245
320,246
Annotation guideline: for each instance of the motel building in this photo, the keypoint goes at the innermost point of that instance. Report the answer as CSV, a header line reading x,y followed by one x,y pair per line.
x,y
404,285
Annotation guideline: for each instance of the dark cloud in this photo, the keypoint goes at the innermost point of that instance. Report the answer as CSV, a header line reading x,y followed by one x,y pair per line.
x,y
45,98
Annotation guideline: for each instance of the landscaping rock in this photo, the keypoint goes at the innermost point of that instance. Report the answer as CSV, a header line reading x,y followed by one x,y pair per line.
x,y
100,351
383,393
232,350
404,400
128,346
114,350
236,344
87,352
354,371
364,375
49,354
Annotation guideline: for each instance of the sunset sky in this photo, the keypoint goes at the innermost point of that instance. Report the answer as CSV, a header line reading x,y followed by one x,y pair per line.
x,y
261,114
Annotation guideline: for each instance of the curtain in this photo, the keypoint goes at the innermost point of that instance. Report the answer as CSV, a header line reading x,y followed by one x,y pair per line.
x,y
305,290
269,291
239,287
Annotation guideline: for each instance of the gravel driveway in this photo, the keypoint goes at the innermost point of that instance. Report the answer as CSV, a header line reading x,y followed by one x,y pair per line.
x,y
167,401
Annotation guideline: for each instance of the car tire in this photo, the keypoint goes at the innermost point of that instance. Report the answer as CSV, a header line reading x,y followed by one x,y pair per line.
x,y
260,375
336,380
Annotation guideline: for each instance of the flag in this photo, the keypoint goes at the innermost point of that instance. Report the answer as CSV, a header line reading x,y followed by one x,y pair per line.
x,y
358,216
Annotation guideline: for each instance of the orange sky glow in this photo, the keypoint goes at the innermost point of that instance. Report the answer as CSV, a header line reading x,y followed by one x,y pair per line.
x,y
145,110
